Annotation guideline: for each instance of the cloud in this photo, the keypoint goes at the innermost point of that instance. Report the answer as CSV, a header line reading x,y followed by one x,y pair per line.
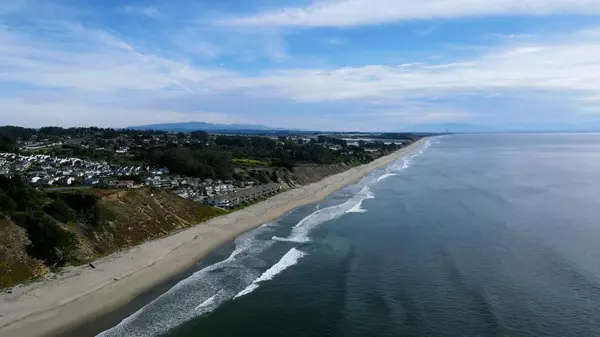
x,y
341,13
147,11
104,62
590,98
427,31
513,36
92,60
71,73
38,114
334,41
567,64
416,114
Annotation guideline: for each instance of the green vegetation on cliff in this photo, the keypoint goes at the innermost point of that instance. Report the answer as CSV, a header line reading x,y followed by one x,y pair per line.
x,y
41,231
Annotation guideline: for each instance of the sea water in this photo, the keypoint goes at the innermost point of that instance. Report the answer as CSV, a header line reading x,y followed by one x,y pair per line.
x,y
470,235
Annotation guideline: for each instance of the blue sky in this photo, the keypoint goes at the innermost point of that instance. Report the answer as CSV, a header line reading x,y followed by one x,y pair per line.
x,y
369,65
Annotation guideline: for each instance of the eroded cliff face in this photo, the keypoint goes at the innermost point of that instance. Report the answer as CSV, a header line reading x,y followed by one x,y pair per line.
x,y
126,218
306,174
105,221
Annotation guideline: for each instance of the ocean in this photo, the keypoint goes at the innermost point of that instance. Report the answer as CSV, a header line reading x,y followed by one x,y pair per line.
x,y
471,235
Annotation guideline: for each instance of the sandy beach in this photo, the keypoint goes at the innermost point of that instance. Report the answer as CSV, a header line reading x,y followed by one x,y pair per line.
x,y
78,294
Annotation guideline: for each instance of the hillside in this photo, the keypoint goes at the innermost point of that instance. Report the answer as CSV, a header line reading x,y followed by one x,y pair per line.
x,y
15,264
42,231
73,228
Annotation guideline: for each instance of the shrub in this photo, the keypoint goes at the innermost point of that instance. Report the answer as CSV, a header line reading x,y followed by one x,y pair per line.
x,y
49,241
7,204
60,211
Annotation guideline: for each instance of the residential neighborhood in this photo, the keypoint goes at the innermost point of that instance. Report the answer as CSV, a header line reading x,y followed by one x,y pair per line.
x,y
45,171
217,169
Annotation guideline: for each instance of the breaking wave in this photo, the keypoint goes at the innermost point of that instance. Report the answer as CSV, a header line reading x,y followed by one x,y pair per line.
x,y
239,274
289,259
385,176
300,232
405,162
208,303
210,287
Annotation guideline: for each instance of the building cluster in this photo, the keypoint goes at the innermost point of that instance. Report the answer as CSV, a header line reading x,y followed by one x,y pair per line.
x,y
244,196
206,190
53,172
45,170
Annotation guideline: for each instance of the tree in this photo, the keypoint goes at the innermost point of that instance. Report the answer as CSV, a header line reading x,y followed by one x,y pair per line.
x,y
49,241
60,211
199,135
7,204
17,132
194,162
7,144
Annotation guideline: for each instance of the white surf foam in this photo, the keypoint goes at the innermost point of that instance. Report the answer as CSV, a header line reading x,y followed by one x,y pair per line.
x,y
385,176
250,288
289,259
280,239
210,286
300,232
357,209
209,302
399,165
406,161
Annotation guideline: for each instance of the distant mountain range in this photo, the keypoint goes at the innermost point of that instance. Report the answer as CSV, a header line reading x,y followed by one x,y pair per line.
x,y
195,126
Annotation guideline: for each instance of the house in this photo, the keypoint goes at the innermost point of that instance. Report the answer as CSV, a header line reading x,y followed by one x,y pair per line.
x,y
122,149
44,182
91,181
109,181
126,184
234,199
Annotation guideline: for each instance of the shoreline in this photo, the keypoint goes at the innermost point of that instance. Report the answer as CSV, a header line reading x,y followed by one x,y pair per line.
x,y
77,295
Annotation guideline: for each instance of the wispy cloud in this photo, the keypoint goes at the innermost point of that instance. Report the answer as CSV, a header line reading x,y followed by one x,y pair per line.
x,y
102,62
147,11
341,13
334,41
426,31
70,71
110,64
567,65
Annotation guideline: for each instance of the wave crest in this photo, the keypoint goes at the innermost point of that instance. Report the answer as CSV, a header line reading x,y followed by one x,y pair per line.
x,y
289,259
302,229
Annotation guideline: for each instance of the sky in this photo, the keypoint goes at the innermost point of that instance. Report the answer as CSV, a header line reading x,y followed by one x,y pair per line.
x,y
364,65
